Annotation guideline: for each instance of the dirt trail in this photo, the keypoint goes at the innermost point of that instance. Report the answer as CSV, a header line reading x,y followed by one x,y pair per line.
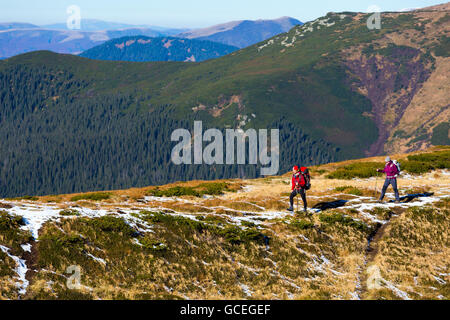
x,y
372,250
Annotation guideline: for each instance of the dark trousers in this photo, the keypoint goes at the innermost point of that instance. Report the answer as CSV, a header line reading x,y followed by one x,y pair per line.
x,y
388,182
302,193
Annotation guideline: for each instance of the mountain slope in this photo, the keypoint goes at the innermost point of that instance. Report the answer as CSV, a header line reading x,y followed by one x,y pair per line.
x,y
78,115
242,33
233,239
157,49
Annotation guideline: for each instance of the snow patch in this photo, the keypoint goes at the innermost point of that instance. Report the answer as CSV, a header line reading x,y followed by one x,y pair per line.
x,y
21,270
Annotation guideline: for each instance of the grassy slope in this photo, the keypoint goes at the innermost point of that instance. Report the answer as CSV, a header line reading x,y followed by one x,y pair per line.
x,y
320,256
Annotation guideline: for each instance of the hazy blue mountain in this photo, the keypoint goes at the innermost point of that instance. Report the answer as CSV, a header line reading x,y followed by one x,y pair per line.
x,y
243,33
140,48
17,38
17,41
100,25
16,25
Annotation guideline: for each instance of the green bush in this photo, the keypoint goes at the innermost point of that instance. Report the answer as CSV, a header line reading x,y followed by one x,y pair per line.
x,y
153,245
416,167
248,224
301,225
64,240
213,188
339,218
382,213
69,212
231,234
236,235
425,162
356,170
11,233
95,196
31,198
349,190
111,224
175,192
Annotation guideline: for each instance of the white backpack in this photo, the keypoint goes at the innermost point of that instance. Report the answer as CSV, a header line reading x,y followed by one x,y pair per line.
x,y
397,164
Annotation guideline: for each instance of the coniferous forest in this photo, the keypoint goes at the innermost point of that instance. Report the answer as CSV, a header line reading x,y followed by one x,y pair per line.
x,y
57,140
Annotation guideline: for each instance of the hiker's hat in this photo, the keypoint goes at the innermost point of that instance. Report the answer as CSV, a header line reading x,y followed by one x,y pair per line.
x,y
387,159
295,168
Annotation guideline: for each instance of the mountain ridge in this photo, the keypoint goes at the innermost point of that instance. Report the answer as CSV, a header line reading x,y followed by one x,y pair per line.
x,y
258,30
140,48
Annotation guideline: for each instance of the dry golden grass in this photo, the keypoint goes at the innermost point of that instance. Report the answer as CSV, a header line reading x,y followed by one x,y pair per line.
x,y
412,252
307,258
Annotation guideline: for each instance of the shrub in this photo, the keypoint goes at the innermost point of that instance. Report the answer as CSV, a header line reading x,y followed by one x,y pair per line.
x,y
153,245
111,224
175,192
95,196
301,224
248,224
69,240
382,213
235,235
232,234
69,212
349,190
31,198
11,233
421,163
356,170
416,167
213,188
335,218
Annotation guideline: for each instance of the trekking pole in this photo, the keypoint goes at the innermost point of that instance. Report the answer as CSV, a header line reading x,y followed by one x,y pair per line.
x,y
375,191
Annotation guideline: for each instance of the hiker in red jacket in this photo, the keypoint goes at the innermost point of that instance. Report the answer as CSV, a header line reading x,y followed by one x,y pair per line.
x,y
391,172
298,187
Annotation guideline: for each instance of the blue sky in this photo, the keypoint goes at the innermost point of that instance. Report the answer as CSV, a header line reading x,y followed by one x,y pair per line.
x,y
188,13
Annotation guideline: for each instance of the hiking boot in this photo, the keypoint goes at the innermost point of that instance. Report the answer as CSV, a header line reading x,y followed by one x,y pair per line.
x,y
290,209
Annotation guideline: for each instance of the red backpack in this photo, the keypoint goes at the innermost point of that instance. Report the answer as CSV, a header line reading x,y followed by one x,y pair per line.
x,y
305,180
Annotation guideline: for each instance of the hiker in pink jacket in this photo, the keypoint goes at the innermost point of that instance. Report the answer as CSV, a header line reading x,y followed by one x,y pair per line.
x,y
391,172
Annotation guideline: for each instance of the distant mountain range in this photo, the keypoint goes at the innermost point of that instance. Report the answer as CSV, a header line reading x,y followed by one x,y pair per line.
x,y
17,38
17,41
16,25
99,25
140,48
243,33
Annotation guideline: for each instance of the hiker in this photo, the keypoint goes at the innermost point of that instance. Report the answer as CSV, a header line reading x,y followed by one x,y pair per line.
x,y
391,171
298,187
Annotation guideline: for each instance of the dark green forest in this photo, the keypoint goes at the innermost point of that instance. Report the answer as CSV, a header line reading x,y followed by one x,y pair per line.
x,y
140,48
54,140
